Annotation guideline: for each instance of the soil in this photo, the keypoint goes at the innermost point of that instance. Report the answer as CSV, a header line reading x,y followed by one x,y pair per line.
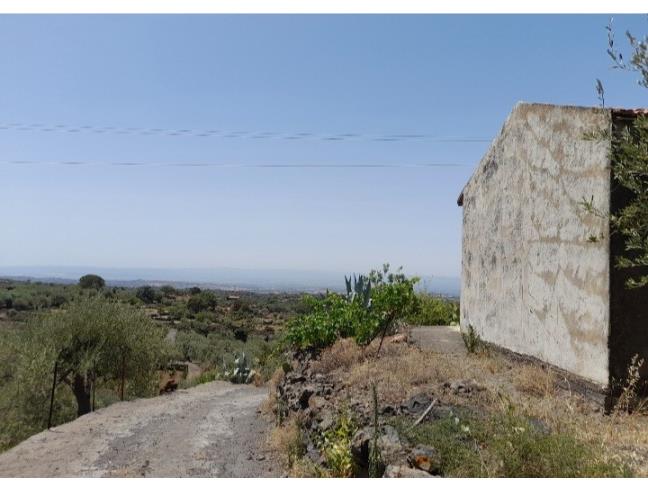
x,y
211,430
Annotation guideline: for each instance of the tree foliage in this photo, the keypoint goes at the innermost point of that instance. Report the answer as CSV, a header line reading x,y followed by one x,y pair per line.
x,y
93,340
630,167
147,294
335,316
630,170
92,281
202,301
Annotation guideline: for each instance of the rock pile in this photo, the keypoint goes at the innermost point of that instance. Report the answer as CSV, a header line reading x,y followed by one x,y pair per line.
x,y
316,400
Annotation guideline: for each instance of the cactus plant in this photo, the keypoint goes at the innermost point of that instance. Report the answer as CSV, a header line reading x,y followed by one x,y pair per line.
x,y
241,374
361,289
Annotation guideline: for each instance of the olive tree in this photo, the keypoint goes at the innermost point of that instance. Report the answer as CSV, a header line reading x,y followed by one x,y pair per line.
x,y
93,340
630,158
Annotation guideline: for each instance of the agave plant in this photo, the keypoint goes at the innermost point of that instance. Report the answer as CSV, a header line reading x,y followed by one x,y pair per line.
x,y
360,289
241,374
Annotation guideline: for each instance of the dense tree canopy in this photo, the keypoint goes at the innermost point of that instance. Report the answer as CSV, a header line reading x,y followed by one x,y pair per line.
x,y
92,281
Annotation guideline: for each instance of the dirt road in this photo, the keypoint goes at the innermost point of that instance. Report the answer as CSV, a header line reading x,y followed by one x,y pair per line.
x,y
211,430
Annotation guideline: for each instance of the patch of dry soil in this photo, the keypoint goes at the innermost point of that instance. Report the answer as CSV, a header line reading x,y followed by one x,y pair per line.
x,y
211,430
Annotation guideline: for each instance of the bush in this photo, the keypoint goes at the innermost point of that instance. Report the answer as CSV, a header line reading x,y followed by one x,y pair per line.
x,y
147,294
434,311
336,316
472,340
192,346
202,301
335,445
168,291
329,318
92,281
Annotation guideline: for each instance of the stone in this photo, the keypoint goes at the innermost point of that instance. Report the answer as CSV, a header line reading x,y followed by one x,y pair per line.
x,y
327,420
305,393
360,446
465,386
314,454
442,412
293,378
388,410
402,471
316,403
390,444
425,458
416,403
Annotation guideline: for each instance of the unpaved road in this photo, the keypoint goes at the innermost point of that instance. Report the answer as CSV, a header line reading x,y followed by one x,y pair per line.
x,y
211,430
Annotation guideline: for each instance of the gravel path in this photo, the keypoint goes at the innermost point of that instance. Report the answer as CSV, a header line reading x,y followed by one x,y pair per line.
x,y
211,430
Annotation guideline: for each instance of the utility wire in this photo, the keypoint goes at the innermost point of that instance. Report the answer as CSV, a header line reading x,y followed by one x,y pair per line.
x,y
73,163
238,134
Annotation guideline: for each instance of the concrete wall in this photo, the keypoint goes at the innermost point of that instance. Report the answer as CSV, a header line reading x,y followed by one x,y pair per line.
x,y
535,267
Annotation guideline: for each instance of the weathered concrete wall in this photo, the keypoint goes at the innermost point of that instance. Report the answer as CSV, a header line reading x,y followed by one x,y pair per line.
x,y
535,272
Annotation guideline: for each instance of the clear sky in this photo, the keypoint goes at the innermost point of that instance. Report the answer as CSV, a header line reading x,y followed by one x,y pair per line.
x,y
453,77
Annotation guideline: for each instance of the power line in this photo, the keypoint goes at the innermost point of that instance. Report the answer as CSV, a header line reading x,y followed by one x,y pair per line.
x,y
235,134
73,163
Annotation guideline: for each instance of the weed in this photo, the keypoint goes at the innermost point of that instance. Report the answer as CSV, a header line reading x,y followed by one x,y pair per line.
x,y
472,340
375,459
629,399
506,444
288,441
336,446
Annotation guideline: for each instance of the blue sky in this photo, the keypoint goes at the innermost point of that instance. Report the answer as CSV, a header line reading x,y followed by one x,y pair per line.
x,y
441,76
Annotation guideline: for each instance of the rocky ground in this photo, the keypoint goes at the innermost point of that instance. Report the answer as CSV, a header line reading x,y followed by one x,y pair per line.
x,y
211,430
316,399
420,388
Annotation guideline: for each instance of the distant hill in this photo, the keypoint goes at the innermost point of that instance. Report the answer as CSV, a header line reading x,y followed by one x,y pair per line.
x,y
263,280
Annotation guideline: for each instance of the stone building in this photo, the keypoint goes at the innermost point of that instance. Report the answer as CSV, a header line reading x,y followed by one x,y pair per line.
x,y
537,267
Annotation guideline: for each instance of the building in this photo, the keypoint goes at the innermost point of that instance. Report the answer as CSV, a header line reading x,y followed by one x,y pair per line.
x,y
537,266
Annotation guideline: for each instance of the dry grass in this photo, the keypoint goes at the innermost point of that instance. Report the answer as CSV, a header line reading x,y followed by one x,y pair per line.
x,y
402,371
286,442
535,380
344,354
270,404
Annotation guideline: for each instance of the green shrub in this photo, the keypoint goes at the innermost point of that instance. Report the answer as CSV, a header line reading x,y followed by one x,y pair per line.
x,y
472,340
329,318
434,311
335,316
335,445
147,294
510,445
192,346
